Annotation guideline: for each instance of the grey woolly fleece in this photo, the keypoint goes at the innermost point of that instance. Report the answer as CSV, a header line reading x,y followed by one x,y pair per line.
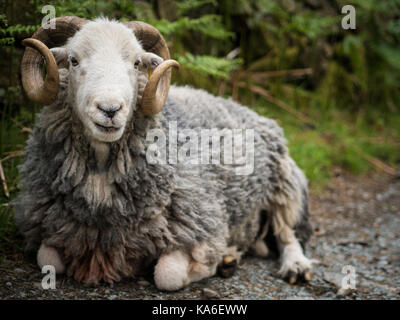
x,y
116,221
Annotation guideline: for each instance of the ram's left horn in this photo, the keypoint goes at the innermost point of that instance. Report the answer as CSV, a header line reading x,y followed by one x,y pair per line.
x,y
156,91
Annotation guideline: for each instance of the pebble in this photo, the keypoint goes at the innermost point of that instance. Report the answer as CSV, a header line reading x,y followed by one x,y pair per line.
x,y
382,263
210,294
143,283
382,242
334,278
38,285
299,298
342,292
365,195
112,297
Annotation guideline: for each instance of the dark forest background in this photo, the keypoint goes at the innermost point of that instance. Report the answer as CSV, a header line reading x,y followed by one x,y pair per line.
x,y
334,91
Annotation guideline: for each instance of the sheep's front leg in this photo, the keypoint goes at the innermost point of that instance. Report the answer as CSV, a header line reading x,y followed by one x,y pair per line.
x,y
177,269
49,256
294,264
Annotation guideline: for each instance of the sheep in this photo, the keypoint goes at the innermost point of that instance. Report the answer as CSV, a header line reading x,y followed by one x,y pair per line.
x,y
97,207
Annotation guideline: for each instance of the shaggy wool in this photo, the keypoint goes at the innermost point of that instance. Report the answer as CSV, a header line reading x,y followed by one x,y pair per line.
x,y
114,221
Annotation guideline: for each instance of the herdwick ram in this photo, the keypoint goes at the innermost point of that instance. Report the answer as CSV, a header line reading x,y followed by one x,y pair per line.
x,y
94,206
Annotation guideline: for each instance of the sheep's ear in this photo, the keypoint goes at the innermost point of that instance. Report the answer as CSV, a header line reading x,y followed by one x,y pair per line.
x,y
61,56
149,61
146,63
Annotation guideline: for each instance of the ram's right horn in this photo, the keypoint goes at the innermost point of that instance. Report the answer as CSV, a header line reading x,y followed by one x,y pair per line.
x,y
39,90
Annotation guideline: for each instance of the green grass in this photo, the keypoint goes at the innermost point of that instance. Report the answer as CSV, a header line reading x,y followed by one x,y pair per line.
x,y
338,140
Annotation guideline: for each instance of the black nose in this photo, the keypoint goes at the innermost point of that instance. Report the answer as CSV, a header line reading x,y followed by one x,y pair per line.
x,y
110,114
109,111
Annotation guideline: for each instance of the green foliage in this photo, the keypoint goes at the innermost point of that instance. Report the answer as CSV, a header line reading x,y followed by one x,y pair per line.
x,y
209,25
336,142
368,58
186,5
209,65
8,33
17,29
82,8
14,140
310,25
351,68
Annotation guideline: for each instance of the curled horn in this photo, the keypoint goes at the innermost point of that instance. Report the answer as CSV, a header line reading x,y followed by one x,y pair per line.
x,y
37,89
156,90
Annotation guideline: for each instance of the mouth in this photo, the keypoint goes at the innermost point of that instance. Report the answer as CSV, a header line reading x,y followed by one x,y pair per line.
x,y
106,129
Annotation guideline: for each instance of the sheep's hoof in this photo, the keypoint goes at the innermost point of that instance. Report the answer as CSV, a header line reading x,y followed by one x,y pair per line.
x,y
306,276
293,277
227,267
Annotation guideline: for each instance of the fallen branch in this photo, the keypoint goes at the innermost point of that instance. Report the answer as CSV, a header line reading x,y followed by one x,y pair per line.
x,y
23,128
13,155
221,88
235,91
273,74
4,182
377,163
347,242
265,94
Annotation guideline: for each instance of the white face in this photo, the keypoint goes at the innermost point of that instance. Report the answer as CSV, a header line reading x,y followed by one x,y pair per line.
x,y
105,60
105,90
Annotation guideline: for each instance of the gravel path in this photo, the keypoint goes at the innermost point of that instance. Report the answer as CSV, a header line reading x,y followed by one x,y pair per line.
x,y
356,222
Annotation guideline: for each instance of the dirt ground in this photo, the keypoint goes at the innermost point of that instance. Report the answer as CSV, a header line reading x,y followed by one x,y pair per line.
x,y
356,223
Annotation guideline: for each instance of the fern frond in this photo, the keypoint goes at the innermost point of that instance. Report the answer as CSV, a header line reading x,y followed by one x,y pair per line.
x,y
209,65
209,25
186,5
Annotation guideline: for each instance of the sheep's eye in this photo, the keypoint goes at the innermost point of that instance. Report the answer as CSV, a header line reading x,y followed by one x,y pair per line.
x,y
74,62
137,62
